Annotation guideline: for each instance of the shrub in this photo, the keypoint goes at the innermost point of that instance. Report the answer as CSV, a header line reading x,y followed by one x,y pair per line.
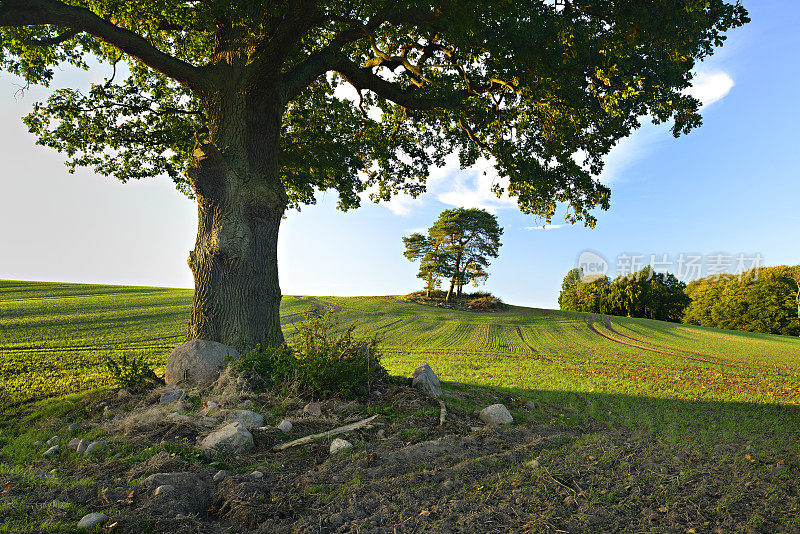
x,y
485,303
323,360
131,372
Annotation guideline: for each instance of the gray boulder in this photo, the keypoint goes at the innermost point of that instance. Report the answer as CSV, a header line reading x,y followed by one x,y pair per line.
x,y
426,380
198,362
92,520
230,439
496,415
248,418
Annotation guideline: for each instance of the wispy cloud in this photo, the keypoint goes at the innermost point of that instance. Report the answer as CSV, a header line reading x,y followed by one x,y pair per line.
x,y
545,227
711,86
472,188
708,87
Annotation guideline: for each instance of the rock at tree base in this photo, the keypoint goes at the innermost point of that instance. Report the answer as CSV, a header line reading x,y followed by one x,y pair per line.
x,y
426,381
248,418
92,520
164,489
198,362
230,439
496,415
338,445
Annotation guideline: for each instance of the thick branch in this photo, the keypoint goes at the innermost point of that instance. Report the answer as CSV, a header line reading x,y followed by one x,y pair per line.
x,y
79,19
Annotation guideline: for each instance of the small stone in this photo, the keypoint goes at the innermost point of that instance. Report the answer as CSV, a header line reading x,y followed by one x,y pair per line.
x,y
73,443
82,446
37,443
313,409
426,380
230,439
176,417
180,516
381,434
164,489
96,446
476,428
530,405
448,484
61,505
92,520
285,426
220,475
533,464
74,427
123,394
496,415
52,451
257,474
338,445
168,397
52,441
248,418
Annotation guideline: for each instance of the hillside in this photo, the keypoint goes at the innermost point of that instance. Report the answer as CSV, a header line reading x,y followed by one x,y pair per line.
x,y
619,424
53,337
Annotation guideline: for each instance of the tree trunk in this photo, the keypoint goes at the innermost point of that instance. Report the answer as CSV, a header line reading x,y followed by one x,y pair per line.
x,y
455,277
240,203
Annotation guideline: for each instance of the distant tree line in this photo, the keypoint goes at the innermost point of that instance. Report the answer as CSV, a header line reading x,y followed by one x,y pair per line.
x,y
646,294
766,300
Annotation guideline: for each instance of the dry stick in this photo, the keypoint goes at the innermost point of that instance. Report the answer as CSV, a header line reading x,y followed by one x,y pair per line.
x,y
339,430
442,412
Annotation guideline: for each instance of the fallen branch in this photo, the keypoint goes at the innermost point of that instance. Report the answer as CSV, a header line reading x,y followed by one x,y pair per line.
x,y
442,412
333,432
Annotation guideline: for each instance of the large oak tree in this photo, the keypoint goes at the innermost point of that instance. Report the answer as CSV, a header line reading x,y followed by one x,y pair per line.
x,y
237,102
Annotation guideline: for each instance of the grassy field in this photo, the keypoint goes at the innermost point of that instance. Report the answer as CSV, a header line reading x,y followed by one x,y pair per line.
x,y
54,338
701,423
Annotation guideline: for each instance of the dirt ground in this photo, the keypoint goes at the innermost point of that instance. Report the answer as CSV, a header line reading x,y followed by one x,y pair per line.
x,y
406,473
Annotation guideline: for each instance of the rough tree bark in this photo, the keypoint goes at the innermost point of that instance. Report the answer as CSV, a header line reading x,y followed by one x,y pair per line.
x,y
240,202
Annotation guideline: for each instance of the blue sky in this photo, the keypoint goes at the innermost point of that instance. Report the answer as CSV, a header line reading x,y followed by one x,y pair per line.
x,y
730,187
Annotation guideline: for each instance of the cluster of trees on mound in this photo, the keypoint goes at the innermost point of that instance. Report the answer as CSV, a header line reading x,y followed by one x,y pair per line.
x,y
457,247
646,294
767,301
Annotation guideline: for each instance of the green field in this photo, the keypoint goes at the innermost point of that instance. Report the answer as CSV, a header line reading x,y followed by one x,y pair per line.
x,y
54,338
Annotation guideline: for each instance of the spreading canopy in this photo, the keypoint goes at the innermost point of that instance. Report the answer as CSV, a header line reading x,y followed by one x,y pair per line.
x,y
542,90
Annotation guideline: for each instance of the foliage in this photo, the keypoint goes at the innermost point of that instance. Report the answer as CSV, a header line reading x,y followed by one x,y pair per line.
x,y
645,294
131,371
322,360
458,246
763,300
528,83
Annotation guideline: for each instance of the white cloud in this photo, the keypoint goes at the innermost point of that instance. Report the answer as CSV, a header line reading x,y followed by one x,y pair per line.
x,y
710,86
472,188
545,227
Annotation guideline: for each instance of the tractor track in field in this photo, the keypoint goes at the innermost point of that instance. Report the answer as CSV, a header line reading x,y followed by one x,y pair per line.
x,y
518,330
694,356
